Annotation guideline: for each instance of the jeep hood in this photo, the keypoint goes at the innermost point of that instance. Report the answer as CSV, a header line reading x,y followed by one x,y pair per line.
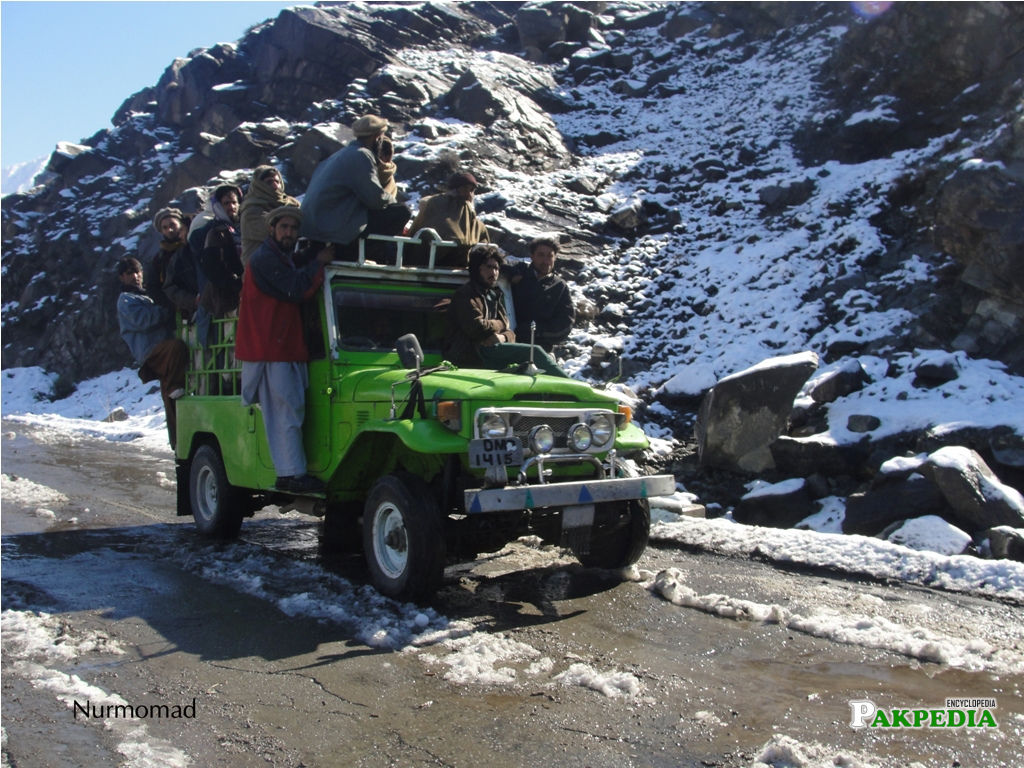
x,y
475,384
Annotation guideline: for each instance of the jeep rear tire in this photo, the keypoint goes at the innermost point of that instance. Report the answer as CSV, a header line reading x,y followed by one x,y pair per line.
x,y
215,503
403,540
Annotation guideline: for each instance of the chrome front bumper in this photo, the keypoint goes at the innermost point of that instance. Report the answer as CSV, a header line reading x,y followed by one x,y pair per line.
x,y
519,497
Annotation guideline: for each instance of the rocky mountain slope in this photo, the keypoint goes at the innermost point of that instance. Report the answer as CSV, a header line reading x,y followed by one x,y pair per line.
x,y
733,181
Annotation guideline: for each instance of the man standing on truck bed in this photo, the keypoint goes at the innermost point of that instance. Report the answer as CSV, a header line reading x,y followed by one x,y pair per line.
x,y
345,199
270,342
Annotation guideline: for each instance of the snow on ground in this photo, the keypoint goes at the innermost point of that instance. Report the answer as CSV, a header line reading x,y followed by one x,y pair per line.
x,y
35,643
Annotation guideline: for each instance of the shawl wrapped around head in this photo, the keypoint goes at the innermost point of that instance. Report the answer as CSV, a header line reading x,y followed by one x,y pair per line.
x,y
260,199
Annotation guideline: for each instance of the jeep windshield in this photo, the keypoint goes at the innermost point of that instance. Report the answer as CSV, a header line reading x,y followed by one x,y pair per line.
x,y
370,316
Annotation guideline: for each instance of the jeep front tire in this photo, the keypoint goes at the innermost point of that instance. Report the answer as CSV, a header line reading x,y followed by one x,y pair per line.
x,y
403,540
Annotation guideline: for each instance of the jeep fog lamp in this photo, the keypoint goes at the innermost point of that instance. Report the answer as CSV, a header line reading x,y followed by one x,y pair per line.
x,y
491,425
602,429
542,439
580,437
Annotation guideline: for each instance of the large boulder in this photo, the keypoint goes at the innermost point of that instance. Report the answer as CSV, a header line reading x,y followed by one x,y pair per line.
x,y
743,414
930,534
1006,543
871,512
972,490
540,27
842,380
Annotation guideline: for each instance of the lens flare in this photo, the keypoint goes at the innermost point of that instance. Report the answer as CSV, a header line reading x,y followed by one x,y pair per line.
x,y
870,10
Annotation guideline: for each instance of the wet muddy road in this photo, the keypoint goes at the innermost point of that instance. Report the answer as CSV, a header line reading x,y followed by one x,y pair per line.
x,y
273,651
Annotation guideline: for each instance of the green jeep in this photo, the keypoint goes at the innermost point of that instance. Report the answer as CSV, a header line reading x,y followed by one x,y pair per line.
x,y
437,462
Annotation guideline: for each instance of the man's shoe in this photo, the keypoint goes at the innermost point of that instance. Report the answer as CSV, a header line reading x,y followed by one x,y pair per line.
x,y
303,484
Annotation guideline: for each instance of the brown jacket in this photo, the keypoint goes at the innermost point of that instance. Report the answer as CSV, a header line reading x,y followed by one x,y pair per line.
x,y
453,219
475,318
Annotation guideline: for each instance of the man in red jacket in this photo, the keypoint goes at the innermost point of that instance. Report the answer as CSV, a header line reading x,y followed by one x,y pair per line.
x,y
271,343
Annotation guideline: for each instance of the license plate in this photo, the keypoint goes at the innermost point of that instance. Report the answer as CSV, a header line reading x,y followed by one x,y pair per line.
x,y
579,516
495,452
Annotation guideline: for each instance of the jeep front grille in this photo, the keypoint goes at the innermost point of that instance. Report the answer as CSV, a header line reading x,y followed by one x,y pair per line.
x,y
523,423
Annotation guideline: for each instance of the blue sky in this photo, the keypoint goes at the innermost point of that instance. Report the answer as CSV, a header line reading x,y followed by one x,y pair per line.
x,y
67,66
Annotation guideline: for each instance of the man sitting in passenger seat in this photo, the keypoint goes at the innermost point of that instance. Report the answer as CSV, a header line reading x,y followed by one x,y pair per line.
x,y
478,332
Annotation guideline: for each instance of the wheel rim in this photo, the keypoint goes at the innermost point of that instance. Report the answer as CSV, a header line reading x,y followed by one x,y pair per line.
x,y
206,493
390,540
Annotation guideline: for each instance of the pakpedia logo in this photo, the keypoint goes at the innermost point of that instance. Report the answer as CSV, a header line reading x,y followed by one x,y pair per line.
x,y
958,713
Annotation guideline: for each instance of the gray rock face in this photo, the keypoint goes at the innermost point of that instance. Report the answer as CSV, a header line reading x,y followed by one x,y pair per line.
x,y
782,506
972,490
743,414
872,512
1006,543
980,222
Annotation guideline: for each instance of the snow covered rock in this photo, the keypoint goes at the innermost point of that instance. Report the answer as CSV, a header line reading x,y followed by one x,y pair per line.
x,y
779,505
869,513
929,533
972,489
1006,543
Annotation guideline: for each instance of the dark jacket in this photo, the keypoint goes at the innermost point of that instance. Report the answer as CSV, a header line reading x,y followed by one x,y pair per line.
x,y
182,283
475,318
221,264
544,300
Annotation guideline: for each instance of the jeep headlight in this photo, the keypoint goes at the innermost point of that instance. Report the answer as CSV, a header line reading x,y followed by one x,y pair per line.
x,y
579,437
491,424
542,439
602,429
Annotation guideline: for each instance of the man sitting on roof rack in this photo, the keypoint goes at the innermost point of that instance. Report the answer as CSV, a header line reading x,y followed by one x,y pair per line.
x,y
478,332
346,200
452,216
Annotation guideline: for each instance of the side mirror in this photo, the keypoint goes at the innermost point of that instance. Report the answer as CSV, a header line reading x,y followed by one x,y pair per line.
x,y
409,351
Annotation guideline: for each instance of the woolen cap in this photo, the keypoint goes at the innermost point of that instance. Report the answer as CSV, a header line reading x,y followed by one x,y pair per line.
x,y
282,211
163,213
370,125
461,180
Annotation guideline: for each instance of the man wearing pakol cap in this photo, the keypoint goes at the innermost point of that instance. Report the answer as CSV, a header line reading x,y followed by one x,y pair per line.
x,y
346,199
172,280
144,327
452,216
270,342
